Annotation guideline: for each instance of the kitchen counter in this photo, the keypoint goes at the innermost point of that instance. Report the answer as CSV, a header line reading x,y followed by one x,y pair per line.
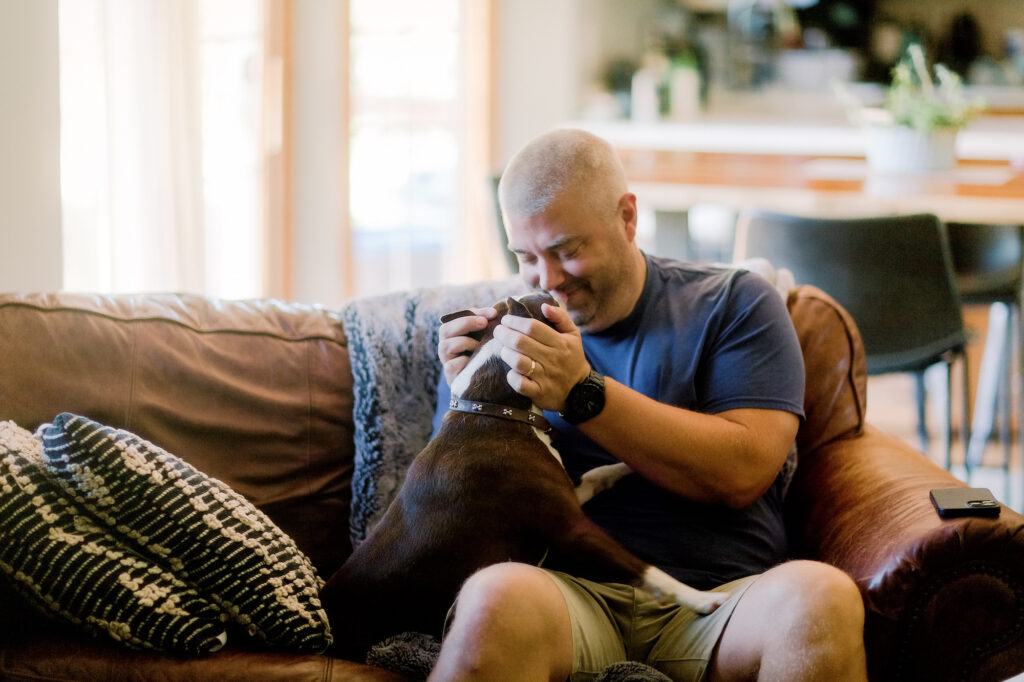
x,y
797,122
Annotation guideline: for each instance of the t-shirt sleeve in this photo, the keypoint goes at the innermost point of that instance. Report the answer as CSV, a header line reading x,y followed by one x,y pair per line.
x,y
755,359
444,395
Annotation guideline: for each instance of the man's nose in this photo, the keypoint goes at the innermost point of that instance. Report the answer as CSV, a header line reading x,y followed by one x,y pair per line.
x,y
549,274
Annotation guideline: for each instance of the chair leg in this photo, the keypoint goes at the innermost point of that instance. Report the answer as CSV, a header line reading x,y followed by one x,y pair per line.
x,y
1016,336
965,396
948,444
1006,397
986,401
921,396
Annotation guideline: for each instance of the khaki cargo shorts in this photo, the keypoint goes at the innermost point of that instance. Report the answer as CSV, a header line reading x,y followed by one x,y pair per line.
x,y
612,622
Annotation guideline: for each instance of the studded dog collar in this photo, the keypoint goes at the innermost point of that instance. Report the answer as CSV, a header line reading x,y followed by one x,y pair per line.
x,y
500,411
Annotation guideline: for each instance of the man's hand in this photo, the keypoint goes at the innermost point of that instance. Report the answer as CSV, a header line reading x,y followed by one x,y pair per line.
x,y
558,354
454,346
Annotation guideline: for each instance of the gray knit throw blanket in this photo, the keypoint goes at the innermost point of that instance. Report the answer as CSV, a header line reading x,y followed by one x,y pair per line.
x,y
392,342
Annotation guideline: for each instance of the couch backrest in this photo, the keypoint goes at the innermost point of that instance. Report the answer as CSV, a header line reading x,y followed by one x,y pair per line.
x,y
260,393
835,398
255,393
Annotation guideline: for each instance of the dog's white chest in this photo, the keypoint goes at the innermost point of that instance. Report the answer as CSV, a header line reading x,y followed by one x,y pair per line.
x,y
546,439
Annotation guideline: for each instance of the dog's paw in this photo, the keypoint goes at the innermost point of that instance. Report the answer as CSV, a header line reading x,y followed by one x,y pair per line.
x,y
706,602
600,479
665,588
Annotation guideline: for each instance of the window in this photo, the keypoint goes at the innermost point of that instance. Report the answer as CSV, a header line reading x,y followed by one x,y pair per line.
x,y
159,167
176,136
404,141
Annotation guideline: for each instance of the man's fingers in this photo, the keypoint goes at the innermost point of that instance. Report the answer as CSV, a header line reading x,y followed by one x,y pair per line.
x,y
520,362
558,317
460,326
453,366
455,346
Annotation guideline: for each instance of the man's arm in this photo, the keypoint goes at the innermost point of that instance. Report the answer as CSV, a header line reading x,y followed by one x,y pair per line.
x,y
728,458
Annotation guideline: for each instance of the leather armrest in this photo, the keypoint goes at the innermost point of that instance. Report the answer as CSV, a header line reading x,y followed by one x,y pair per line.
x,y
58,654
944,598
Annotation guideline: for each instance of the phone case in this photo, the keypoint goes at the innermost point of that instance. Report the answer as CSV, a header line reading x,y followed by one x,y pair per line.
x,y
956,502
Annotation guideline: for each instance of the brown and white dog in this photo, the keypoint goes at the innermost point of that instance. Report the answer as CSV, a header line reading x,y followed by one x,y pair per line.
x,y
488,488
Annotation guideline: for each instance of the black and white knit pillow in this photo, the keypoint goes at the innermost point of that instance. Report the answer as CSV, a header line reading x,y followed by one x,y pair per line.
x,y
209,535
58,558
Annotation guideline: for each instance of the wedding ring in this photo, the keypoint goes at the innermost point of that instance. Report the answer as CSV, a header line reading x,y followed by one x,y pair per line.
x,y
533,366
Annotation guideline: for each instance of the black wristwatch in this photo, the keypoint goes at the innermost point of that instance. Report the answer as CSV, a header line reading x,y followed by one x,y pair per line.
x,y
585,400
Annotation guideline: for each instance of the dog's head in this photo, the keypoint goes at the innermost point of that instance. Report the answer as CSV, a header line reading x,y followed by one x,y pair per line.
x,y
483,377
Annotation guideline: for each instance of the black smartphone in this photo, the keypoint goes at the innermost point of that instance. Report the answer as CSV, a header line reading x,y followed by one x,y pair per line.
x,y
954,502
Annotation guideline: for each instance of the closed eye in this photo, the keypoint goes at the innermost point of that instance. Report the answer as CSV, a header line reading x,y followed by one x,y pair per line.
x,y
570,253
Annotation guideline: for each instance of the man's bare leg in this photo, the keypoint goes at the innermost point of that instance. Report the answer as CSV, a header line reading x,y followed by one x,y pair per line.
x,y
511,623
801,620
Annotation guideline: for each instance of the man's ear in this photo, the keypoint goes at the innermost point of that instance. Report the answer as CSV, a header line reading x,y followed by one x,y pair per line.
x,y
627,212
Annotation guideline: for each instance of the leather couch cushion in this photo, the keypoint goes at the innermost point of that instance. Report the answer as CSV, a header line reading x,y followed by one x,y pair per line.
x,y
206,533
254,393
74,569
835,397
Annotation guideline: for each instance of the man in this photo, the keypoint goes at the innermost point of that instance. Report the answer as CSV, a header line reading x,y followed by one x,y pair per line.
x,y
693,377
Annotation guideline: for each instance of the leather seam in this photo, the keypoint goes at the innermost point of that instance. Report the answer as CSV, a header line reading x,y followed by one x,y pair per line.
x,y
342,342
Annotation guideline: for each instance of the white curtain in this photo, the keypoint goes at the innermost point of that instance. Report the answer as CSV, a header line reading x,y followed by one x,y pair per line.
x,y
131,146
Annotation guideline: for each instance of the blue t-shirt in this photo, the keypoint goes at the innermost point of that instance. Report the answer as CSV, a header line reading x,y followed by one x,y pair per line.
x,y
706,339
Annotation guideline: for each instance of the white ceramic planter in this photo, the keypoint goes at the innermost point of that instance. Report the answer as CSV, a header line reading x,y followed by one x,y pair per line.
x,y
899,149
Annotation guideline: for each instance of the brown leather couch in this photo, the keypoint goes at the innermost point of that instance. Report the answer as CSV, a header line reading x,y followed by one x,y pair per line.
x,y
260,395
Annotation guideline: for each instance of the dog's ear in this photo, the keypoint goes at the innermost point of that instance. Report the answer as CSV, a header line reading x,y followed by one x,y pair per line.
x,y
516,308
448,317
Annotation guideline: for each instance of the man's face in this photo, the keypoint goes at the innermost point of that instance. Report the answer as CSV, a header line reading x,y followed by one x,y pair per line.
x,y
580,257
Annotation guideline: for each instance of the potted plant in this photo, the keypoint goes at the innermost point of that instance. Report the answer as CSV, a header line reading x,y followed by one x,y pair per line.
x,y
916,129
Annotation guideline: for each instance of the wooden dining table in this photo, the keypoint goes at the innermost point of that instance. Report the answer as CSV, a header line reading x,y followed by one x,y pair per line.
x,y
975,191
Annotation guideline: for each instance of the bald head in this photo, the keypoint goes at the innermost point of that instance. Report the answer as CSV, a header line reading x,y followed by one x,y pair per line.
x,y
560,161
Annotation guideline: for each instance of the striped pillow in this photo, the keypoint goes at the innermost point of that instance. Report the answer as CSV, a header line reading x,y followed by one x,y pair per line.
x,y
209,535
58,558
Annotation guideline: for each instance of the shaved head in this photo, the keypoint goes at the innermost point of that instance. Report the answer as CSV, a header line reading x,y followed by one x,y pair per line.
x,y
563,161
571,222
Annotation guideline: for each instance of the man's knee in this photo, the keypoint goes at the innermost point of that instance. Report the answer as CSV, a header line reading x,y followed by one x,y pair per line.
x,y
817,591
802,620
512,600
508,617
822,613
809,595
504,586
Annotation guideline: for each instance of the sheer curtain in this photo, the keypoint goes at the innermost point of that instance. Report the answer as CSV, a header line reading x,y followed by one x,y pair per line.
x,y
191,160
131,156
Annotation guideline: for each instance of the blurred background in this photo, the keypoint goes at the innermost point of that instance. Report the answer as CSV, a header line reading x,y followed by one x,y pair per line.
x,y
322,149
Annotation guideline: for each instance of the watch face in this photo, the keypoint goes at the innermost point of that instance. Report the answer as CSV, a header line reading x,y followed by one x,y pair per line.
x,y
585,400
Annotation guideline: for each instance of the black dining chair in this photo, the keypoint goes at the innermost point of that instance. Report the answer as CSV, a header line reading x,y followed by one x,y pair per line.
x,y
988,260
893,274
